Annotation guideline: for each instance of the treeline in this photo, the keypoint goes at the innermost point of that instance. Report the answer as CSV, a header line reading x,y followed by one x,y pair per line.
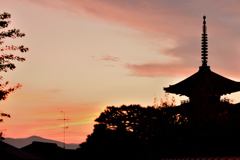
x,y
136,132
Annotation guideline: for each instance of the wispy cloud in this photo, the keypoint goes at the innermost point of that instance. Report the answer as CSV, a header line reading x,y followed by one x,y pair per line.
x,y
159,70
110,58
180,21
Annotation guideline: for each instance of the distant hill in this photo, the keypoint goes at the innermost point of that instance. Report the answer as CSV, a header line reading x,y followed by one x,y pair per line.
x,y
22,142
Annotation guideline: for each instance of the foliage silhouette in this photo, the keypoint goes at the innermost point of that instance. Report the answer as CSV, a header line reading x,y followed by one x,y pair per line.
x,y
131,132
7,58
135,132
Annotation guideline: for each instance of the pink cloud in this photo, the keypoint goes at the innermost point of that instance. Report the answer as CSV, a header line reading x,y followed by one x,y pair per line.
x,y
160,70
181,21
167,18
110,58
178,20
159,16
175,70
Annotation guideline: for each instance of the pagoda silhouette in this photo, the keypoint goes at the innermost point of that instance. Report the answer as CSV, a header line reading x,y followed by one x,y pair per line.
x,y
204,88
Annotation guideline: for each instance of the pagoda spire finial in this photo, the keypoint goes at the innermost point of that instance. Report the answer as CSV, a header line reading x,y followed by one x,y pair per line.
x,y
204,43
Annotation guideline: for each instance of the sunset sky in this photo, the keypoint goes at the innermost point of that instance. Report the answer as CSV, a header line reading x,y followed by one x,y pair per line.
x,y
88,54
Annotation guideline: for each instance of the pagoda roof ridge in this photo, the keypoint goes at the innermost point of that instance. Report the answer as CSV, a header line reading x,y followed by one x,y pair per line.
x,y
204,80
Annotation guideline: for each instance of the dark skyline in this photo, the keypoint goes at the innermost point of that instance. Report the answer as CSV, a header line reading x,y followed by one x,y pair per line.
x,y
84,56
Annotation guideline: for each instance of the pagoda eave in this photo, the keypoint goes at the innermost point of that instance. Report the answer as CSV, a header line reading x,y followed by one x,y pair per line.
x,y
204,81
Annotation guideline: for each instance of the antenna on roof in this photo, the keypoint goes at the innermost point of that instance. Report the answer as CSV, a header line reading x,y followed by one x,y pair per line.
x,y
1,134
204,43
64,127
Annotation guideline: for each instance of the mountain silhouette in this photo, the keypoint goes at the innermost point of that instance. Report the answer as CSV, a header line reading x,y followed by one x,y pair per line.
x,y
22,142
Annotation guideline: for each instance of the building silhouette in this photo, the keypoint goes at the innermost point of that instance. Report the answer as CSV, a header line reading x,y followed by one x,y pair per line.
x,y
9,152
205,87
209,126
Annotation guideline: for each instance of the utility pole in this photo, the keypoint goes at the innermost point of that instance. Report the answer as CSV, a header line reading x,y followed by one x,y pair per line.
x,y
64,127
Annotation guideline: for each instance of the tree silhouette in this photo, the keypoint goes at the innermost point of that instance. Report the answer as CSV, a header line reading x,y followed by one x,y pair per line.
x,y
164,131
7,58
132,132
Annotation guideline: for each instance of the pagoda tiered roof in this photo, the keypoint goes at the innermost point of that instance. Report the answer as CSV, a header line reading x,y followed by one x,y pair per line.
x,y
204,81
